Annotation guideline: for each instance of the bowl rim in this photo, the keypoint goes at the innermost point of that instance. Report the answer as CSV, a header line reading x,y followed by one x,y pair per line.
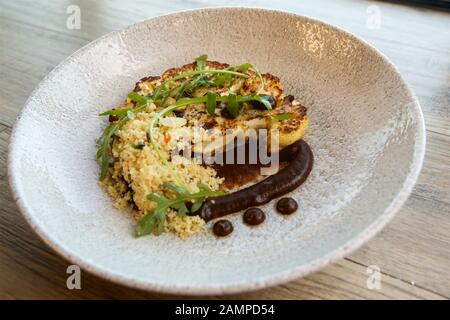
x,y
246,285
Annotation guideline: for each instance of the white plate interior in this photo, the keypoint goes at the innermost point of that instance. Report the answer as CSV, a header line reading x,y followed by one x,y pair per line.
x,y
366,132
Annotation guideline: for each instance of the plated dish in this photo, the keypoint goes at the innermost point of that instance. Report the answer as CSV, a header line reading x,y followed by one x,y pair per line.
x,y
365,129
172,154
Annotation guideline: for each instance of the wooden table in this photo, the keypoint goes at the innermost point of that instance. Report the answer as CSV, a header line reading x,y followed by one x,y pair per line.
x,y
413,251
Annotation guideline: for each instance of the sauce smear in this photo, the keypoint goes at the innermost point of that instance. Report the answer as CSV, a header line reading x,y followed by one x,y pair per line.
x,y
237,174
284,181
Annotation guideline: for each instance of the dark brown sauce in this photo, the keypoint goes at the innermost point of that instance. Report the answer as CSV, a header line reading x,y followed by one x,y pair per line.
x,y
254,216
287,206
284,181
222,228
236,175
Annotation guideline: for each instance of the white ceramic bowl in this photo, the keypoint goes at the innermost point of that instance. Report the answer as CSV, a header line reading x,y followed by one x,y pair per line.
x,y
366,131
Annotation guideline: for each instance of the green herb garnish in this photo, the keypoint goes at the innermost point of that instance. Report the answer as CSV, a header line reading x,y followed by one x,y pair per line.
x,y
141,103
264,100
163,85
105,145
225,79
211,101
136,97
197,82
153,222
282,117
233,105
201,61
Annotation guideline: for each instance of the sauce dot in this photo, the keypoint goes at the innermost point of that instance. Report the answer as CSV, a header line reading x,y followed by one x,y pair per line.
x,y
287,206
254,216
222,228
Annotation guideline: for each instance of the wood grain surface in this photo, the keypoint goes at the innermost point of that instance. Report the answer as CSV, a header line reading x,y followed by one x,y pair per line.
x,y
413,251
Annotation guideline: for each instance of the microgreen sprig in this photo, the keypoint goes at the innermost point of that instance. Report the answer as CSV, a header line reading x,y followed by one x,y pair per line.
x,y
163,85
154,221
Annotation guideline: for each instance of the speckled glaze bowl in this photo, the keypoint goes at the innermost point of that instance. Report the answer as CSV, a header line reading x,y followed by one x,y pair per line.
x,y
366,131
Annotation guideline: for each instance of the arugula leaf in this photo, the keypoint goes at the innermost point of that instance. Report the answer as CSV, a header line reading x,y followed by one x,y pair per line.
x,y
199,81
241,68
153,222
115,112
225,79
211,101
178,189
136,97
163,86
196,205
189,86
104,144
181,208
157,198
141,103
181,89
204,187
264,100
233,105
200,77
146,224
201,61
160,221
282,116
